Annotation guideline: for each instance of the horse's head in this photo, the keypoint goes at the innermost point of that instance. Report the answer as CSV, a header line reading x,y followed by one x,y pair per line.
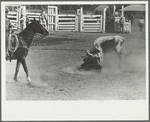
x,y
38,28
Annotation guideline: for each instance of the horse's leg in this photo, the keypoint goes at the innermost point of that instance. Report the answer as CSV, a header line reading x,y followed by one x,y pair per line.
x,y
23,61
17,70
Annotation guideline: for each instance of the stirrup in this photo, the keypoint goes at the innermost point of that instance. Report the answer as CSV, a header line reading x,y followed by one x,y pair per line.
x,y
8,57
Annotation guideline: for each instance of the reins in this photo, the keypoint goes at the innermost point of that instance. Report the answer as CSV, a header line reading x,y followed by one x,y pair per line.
x,y
24,30
29,32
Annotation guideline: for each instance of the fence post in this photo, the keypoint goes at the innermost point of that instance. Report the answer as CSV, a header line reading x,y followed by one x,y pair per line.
x,y
81,20
114,10
104,19
52,18
56,18
76,23
24,12
18,14
101,23
122,10
48,18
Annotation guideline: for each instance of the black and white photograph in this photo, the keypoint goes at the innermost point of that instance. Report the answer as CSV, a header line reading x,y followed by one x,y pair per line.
x,y
62,59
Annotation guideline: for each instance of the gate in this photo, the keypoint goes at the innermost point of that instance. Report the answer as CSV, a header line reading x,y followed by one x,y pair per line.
x,y
35,14
13,15
70,22
90,23
31,14
126,28
52,18
67,23
60,22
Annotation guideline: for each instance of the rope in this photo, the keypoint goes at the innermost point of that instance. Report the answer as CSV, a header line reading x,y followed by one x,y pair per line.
x,y
11,48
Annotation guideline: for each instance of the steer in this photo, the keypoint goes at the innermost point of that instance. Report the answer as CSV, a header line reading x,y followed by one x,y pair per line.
x,y
109,43
104,45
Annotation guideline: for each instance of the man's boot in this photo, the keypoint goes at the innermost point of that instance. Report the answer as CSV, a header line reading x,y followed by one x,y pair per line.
x,y
7,56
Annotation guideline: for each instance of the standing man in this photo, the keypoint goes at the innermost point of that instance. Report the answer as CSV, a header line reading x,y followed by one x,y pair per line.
x,y
21,22
27,20
121,21
132,19
22,18
141,23
43,18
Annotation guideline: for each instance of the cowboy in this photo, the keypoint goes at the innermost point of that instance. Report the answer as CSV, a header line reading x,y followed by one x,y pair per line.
x,y
7,31
93,57
132,19
121,21
141,24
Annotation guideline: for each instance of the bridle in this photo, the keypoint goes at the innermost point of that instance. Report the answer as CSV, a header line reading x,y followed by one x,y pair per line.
x,y
41,35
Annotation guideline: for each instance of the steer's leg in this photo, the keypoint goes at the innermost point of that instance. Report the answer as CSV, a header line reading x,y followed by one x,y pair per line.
x,y
118,50
17,70
119,53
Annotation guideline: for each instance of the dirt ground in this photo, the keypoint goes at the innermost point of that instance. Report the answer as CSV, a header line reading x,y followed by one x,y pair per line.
x,y
53,68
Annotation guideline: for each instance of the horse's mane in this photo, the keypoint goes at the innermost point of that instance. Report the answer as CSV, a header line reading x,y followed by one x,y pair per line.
x,y
27,34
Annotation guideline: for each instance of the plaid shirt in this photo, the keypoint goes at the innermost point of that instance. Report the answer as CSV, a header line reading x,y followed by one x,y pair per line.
x,y
99,57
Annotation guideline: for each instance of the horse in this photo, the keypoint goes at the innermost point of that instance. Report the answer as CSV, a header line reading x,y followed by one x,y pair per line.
x,y
23,42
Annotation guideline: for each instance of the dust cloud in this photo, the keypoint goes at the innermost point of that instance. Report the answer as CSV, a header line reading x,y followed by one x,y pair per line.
x,y
132,63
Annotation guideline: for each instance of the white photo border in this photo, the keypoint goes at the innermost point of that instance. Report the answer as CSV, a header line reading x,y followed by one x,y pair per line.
x,y
72,110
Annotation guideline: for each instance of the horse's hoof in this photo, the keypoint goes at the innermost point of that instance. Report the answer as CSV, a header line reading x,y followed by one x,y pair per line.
x,y
16,81
29,80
